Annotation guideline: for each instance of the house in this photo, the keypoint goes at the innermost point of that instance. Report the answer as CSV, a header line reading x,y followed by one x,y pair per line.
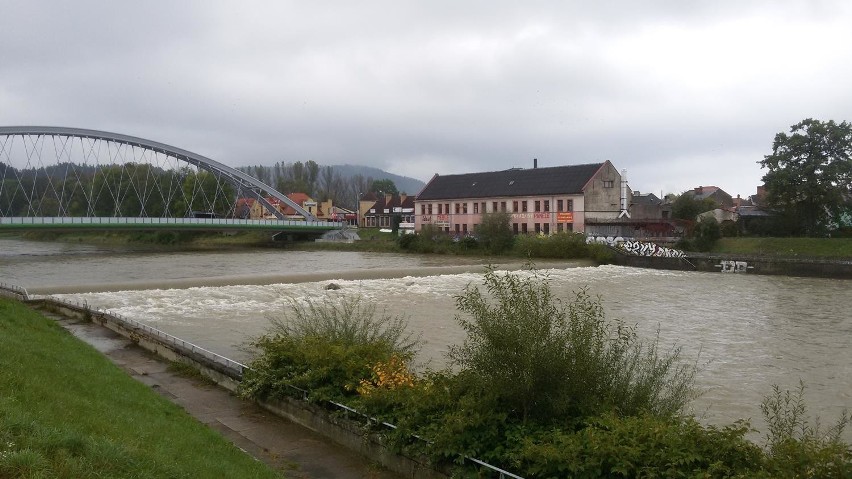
x,y
718,195
538,200
250,208
388,208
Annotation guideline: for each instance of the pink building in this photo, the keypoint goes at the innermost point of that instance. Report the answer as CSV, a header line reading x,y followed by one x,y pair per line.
x,y
538,200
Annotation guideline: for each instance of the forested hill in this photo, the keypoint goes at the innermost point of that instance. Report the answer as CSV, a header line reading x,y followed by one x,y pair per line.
x,y
339,183
404,184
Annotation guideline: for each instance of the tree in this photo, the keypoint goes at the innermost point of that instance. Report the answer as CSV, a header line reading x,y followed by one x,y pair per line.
x,y
385,186
494,233
810,174
686,206
707,232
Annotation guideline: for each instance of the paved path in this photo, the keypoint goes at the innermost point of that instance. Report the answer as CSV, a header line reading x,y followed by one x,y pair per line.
x,y
284,445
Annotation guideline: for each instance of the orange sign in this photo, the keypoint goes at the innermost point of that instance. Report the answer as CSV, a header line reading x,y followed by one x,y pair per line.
x,y
564,217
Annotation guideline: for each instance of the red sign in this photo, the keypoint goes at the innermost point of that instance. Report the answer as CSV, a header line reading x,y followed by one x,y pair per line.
x,y
564,217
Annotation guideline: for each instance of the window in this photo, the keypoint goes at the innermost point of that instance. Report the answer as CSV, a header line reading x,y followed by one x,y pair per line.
x,y
464,208
524,206
546,205
494,206
570,204
458,208
482,208
558,205
429,208
464,227
384,221
523,228
515,228
545,228
558,227
457,227
537,228
475,208
503,206
514,206
537,206
446,208
608,183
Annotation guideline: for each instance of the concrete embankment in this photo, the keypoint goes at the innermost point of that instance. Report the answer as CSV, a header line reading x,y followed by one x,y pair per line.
x,y
744,264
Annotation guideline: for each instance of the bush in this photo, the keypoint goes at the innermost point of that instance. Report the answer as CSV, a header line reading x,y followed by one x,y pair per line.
x,y
707,232
551,362
639,446
495,233
794,447
559,245
328,348
408,242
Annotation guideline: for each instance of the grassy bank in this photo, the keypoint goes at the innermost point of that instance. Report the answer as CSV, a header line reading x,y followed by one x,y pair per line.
x,y
67,411
787,247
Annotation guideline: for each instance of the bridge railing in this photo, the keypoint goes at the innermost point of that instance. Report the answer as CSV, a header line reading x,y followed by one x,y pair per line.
x,y
112,220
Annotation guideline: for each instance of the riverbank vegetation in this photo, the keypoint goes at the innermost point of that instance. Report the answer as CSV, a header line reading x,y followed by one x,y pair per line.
x,y
542,387
556,246
67,411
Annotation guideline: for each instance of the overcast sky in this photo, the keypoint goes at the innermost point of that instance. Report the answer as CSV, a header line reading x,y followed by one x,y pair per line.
x,y
679,93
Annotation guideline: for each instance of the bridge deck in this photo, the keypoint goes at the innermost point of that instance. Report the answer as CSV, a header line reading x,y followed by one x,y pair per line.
x,y
127,223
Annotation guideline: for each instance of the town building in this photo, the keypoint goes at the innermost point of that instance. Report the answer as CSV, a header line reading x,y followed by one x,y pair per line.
x,y
388,211
718,195
538,200
249,208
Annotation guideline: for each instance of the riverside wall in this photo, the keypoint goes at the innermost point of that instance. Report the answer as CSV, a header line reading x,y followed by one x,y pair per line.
x,y
743,264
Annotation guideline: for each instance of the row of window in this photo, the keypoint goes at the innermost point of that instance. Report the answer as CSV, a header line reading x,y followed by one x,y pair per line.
x,y
384,221
538,228
517,207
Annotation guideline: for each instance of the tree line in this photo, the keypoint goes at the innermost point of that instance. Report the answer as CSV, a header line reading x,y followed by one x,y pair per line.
x,y
138,189
319,182
129,190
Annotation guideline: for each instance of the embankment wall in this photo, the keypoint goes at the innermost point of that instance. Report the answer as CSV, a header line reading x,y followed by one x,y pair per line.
x,y
743,264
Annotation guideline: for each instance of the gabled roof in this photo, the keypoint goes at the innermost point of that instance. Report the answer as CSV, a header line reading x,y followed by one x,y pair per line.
x,y
646,199
395,202
557,180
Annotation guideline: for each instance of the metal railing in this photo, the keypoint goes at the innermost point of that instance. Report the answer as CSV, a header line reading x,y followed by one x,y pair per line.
x,y
115,221
162,336
15,289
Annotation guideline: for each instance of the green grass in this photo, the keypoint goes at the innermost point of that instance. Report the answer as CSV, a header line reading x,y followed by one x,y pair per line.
x,y
788,247
67,412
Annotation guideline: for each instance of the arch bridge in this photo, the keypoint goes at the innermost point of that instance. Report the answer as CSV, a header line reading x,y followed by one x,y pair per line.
x,y
56,178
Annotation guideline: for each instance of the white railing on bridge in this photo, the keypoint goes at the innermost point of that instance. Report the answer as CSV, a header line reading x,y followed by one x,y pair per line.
x,y
113,221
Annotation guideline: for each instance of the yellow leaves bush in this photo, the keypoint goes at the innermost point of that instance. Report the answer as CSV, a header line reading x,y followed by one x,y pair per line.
x,y
392,374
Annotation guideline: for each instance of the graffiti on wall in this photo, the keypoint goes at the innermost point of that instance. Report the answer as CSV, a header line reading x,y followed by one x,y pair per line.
x,y
636,248
734,266
639,248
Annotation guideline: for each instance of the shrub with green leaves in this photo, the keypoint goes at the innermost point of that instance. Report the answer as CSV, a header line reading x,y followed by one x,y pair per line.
x,y
553,361
639,446
326,347
797,448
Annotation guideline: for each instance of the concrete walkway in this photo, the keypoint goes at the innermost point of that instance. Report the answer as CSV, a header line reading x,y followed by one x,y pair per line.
x,y
286,446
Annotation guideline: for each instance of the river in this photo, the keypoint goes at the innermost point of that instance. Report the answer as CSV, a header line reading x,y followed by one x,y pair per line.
x,y
745,332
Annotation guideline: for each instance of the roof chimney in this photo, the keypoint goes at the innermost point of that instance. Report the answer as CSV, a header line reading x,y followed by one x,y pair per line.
x,y
535,163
